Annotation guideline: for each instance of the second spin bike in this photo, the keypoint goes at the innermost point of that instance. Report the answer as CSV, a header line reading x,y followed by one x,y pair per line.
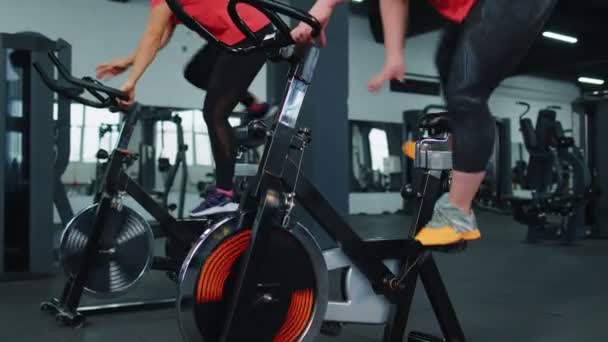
x,y
107,248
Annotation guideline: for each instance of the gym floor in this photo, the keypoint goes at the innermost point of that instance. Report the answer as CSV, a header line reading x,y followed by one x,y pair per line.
x,y
502,289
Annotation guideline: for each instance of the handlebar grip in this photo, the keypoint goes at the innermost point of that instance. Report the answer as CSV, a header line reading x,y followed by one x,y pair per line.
x,y
269,7
104,95
525,104
284,30
266,7
88,83
240,23
292,12
74,91
195,26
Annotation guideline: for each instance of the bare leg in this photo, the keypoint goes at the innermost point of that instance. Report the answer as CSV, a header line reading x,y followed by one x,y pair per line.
x,y
463,189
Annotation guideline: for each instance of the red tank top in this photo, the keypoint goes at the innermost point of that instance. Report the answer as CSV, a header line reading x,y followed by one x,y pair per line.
x,y
454,10
213,15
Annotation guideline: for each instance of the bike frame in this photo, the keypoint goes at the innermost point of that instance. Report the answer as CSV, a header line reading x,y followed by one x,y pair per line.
x,y
263,204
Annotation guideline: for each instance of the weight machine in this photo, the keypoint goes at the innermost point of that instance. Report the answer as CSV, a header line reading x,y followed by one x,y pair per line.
x,y
149,164
35,152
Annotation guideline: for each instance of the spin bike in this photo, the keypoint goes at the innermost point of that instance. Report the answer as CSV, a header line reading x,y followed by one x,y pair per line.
x,y
106,248
261,276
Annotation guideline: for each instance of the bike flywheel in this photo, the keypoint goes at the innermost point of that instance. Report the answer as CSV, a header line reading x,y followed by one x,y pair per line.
x,y
124,252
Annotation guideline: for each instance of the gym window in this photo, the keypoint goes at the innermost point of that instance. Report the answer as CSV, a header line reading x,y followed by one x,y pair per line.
x,y
76,126
378,143
85,140
196,136
166,137
202,145
94,118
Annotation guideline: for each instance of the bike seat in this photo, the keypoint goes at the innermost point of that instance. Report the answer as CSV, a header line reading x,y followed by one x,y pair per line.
x,y
437,123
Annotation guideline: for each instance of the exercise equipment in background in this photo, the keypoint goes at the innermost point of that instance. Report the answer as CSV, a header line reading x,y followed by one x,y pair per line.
x,y
107,248
590,124
34,149
558,178
150,164
496,188
377,161
411,120
102,155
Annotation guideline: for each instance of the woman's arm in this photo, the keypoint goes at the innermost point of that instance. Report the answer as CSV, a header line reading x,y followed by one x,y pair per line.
x,y
151,41
395,15
167,34
166,37
321,10
122,64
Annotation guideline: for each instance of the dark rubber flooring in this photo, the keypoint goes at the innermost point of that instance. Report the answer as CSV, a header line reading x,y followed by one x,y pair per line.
x,y
502,289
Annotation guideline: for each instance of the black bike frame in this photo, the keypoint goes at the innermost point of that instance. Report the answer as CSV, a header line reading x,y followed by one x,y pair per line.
x,y
115,182
278,174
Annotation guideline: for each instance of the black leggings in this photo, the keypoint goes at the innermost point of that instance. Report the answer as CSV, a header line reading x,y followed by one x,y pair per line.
x,y
225,77
473,58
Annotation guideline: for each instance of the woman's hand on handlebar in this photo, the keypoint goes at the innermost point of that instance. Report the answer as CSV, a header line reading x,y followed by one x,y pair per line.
x,y
322,11
128,88
113,68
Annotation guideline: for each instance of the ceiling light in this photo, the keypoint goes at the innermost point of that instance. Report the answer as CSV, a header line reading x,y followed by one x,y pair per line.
x,y
357,0
590,80
560,37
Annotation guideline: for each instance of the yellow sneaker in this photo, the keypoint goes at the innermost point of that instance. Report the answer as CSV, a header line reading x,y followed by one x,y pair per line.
x,y
448,225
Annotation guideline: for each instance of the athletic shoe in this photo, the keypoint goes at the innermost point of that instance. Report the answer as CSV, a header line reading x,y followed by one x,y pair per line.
x,y
216,201
257,110
448,225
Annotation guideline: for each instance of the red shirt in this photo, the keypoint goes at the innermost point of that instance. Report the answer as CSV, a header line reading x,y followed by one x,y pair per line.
x,y
454,10
213,15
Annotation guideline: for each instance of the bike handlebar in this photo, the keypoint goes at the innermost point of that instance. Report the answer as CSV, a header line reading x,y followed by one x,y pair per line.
x,y
269,8
525,104
105,96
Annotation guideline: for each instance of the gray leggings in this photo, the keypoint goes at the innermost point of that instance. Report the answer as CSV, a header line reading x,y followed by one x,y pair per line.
x,y
473,58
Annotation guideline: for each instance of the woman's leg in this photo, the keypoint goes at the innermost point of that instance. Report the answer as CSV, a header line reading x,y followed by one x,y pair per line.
x,y
489,44
198,70
229,79
200,67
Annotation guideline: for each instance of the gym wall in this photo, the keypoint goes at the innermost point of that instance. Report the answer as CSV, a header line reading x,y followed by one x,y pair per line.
x,y
100,30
